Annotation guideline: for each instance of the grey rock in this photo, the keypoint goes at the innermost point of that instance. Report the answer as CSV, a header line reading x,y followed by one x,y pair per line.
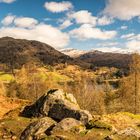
x,y
37,128
69,124
85,116
57,105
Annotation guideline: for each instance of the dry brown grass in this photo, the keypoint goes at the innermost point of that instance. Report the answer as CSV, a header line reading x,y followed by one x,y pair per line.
x,y
9,104
2,89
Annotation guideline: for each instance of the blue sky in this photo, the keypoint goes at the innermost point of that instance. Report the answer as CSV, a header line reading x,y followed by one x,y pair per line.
x,y
105,25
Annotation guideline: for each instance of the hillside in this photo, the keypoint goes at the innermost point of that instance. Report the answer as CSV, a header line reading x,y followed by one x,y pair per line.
x,y
99,59
16,52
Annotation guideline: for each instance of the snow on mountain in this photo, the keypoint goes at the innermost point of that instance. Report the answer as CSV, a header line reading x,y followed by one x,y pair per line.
x,y
72,52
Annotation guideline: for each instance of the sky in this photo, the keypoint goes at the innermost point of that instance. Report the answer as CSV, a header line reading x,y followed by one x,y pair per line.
x,y
104,25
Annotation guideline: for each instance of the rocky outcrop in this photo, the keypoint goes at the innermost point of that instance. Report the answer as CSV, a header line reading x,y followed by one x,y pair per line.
x,y
58,105
38,128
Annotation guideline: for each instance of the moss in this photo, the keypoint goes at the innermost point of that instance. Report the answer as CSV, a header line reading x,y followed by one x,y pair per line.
x,y
133,116
98,124
83,133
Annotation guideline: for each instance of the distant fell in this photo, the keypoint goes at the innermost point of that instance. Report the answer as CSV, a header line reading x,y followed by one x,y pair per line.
x,y
20,51
107,59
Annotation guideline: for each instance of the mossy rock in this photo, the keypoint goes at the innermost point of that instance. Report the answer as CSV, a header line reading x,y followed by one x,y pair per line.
x,y
83,133
98,124
69,125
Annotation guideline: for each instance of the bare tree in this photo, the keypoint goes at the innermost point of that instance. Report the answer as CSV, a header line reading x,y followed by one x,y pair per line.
x,y
135,70
130,87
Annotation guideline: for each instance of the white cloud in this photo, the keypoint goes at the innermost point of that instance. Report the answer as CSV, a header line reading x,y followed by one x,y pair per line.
x,y
86,31
133,46
7,1
108,44
8,20
131,36
30,28
124,27
47,19
40,32
57,7
123,9
128,47
105,20
25,22
139,19
110,49
135,37
127,36
65,24
83,17
86,17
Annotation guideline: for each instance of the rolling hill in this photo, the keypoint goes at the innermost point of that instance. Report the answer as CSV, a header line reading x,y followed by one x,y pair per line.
x,y
107,59
101,59
16,52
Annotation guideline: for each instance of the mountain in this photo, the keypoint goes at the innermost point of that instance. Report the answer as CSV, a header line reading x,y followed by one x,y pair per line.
x,y
107,59
16,52
72,52
100,59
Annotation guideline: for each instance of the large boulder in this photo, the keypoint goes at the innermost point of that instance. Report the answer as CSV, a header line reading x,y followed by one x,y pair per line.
x,y
38,128
57,105
69,124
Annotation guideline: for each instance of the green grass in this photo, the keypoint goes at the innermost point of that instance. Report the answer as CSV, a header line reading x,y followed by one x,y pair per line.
x,y
6,77
54,76
133,116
